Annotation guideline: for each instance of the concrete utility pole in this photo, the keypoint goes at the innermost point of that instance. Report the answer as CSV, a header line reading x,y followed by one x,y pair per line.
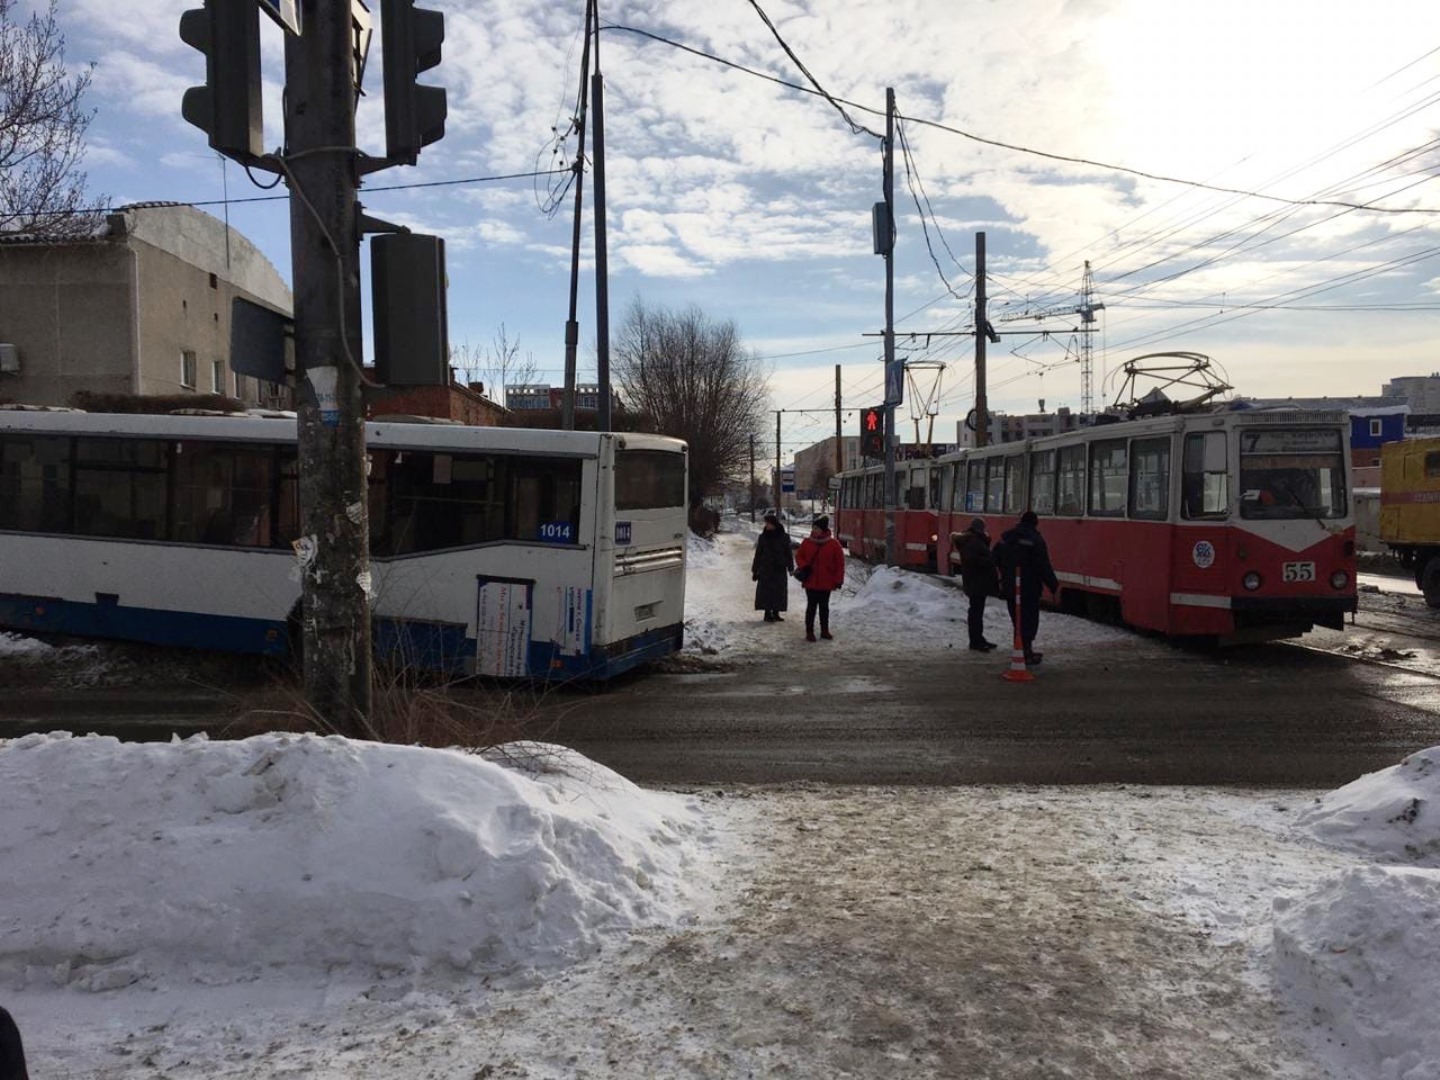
x,y
839,437
334,547
890,554
572,324
604,421
982,335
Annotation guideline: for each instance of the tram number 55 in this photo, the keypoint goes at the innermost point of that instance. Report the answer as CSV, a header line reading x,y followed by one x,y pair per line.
x,y
1298,571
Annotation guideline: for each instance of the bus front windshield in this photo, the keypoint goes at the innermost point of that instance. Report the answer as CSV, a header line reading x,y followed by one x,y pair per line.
x,y
1289,473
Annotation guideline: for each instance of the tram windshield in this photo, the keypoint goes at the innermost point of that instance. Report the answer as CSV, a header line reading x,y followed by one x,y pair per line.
x,y
1289,473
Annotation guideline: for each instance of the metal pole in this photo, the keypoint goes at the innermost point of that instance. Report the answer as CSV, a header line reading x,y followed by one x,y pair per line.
x,y
572,324
839,438
752,478
982,407
602,261
324,230
777,461
889,500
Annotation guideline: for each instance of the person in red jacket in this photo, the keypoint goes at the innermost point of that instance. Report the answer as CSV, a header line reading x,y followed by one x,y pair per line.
x,y
820,567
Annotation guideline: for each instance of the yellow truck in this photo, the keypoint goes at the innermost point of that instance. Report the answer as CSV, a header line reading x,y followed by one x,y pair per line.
x,y
1410,509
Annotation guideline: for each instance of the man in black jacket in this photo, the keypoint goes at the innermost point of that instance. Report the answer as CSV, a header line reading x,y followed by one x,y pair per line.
x,y
977,576
1023,548
12,1054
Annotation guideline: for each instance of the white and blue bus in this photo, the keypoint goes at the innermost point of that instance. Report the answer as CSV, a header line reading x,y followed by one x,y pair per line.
x,y
494,551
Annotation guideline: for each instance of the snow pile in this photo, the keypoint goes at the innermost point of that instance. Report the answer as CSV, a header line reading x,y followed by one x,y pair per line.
x,y
16,646
1361,959
1394,813
214,861
1361,955
701,552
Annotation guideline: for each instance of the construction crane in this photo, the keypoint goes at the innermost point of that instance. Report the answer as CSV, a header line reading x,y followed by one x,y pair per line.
x,y
1086,309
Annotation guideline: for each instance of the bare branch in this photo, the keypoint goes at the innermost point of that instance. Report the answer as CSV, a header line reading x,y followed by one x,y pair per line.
x,y
42,129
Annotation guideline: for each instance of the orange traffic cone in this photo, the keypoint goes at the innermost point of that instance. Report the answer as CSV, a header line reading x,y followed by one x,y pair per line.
x,y
1018,671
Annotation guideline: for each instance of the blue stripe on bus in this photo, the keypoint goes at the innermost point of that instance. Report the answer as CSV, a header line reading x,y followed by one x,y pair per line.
x,y
109,619
431,645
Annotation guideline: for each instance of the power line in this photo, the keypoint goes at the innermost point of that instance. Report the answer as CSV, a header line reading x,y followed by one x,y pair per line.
x,y
1197,184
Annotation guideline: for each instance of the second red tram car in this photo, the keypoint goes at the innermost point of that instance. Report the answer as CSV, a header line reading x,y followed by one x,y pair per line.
x,y
860,513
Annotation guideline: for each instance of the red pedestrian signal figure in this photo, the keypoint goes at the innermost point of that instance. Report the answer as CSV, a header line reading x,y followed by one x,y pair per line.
x,y
872,432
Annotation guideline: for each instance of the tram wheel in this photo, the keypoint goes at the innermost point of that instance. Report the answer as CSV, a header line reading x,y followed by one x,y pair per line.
x,y
1430,581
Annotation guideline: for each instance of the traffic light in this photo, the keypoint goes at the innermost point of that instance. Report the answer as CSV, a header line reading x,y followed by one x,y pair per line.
x,y
414,114
228,107
872,432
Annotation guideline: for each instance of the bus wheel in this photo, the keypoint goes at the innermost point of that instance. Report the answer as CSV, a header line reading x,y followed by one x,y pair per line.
x,y
1430,581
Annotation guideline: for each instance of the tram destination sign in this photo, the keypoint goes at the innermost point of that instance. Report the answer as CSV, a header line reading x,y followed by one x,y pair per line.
x,y
1291,441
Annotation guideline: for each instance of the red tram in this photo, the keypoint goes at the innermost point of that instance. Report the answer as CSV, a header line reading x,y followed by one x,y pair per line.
x,y
860,513
1233,525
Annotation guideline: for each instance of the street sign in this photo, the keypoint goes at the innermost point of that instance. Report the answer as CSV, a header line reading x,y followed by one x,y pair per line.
x,y
895,382
284,12
787,480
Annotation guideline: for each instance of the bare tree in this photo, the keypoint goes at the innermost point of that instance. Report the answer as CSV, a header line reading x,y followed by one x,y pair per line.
x,y
42,128
497,365
695,381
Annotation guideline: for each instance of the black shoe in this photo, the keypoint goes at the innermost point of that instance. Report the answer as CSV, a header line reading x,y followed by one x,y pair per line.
x,y
778,617
988,645
1033,658
980,646
769,617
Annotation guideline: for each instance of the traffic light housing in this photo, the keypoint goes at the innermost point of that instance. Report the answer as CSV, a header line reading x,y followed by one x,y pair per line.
x,y
414,114
228,107
872,432
407,299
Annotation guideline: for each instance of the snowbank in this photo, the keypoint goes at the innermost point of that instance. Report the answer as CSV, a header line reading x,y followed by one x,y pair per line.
x,y
17,646
1360,956
214,861
1394,813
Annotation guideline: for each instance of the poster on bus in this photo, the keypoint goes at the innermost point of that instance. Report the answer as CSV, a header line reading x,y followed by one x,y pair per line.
x,y
502,625
573,638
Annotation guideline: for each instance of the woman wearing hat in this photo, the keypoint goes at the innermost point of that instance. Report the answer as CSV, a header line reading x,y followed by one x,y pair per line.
x,y
978,577
820,567
770,569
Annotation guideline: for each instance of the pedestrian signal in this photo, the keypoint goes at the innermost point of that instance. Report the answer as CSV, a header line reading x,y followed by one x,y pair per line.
x,y
872,432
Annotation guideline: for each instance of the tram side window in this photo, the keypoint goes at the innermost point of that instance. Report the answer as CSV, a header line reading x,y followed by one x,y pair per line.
x,y
1015,483
935,488
975,487
994,485
649,479
1070,481
1432,465
1150,479
120,488
35,484
915,493
221,494
1042,482
1205,479
1107,477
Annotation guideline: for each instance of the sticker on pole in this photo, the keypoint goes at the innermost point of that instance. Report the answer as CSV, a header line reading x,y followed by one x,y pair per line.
x,y
325,382
1203,554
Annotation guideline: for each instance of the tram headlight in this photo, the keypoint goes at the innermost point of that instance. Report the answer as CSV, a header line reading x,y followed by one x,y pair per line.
x,y
1251,581
1339,579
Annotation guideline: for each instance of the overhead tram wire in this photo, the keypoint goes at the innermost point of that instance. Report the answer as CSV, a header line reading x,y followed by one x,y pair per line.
x,y
912,181
1196,184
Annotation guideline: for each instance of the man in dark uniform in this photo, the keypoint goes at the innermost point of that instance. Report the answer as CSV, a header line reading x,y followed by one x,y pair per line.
x,y
1023,548
977,577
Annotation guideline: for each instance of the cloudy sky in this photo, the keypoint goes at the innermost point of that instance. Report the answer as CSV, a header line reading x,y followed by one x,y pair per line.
x,y
753,201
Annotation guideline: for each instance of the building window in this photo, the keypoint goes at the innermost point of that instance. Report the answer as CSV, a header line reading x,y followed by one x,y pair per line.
x,y
1377,428
214,281
187,369
217,376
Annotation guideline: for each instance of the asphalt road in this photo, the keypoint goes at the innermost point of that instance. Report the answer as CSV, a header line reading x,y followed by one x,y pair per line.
x,y
1135,711
1273,715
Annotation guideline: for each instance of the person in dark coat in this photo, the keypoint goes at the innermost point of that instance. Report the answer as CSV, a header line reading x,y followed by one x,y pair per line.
x,y
820,566
1023,548
12,1052
770,569
978,578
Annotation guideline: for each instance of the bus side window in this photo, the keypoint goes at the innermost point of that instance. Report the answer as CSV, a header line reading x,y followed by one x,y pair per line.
x,y
1205,479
